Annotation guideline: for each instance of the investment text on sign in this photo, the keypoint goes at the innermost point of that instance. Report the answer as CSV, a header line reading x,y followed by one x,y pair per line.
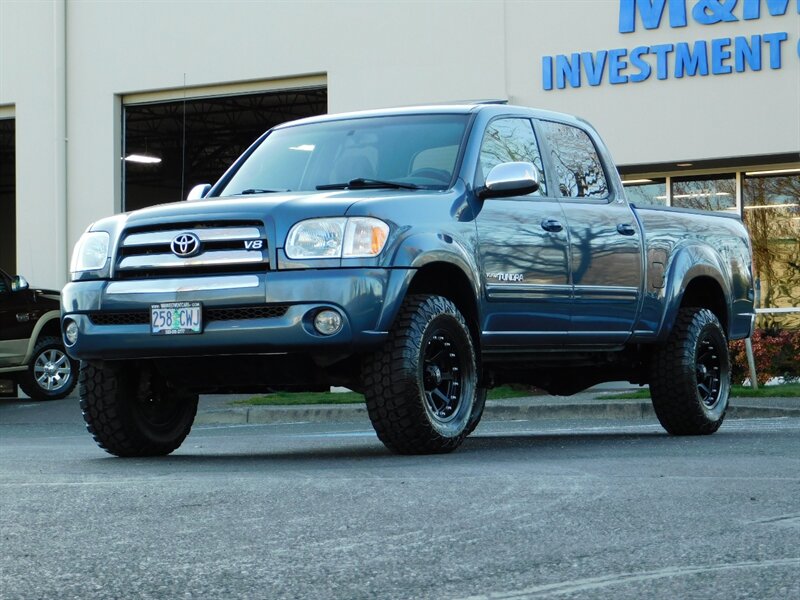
x,y
718,56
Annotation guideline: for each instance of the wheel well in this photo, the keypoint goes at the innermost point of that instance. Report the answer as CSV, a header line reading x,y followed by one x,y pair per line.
x,y
705,292
449,281
51,328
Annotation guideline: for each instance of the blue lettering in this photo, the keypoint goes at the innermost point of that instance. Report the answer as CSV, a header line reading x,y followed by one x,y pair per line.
x,y
651,12
749,53
617,64
710,12
777,8
719,54
691,62
594,67
775,40
547,72
568,68
637,61
662,66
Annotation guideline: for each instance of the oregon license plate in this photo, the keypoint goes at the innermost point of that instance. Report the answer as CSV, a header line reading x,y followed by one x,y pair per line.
x,y
176,318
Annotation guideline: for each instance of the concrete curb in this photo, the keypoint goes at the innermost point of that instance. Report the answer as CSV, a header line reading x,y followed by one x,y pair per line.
x,y
499,410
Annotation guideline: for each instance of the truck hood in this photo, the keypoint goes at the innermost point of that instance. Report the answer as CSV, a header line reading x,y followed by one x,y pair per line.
x,y
278,211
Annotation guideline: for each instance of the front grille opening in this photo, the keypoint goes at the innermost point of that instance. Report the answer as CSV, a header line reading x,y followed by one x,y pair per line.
x,y
232,313
191,225
191,271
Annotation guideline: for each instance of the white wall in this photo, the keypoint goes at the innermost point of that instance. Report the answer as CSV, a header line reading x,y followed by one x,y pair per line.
x,y
31,80
371,54
694,118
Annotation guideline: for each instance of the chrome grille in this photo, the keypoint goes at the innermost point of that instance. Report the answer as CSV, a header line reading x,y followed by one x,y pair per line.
x,y
146,251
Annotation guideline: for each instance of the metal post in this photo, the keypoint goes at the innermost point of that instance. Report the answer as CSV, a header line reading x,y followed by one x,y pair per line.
x,y
751,362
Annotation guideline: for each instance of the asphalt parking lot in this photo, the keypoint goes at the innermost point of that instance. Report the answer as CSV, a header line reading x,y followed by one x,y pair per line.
x,y
568,508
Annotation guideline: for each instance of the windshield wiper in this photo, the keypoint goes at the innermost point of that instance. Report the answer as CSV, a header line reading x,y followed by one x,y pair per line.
x,y
362,182
259,191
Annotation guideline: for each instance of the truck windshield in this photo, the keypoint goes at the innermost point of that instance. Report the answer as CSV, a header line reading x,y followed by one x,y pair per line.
x,y
396,152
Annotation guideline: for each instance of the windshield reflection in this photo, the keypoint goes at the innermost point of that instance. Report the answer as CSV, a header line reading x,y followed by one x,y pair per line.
x,y
399,152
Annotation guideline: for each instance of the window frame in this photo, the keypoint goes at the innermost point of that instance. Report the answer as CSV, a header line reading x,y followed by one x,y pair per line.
x,y
477,180
612,192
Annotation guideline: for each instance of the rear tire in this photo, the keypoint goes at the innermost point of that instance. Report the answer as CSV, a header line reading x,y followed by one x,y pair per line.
x,y
421,386
690,375
131,411
477,409
51,374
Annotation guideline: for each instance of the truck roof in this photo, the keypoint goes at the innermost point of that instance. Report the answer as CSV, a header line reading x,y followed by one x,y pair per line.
x,y
438,109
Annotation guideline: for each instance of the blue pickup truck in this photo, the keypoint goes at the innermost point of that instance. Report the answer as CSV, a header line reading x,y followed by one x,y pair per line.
x,y
420,256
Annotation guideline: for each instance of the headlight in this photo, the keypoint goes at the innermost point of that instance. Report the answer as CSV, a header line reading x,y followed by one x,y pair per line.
x,y
91,252
356,237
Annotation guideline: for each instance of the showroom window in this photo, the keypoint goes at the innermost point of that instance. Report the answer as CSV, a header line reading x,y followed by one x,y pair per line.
x,y
169,147
771,212
705,192
8,197
647,192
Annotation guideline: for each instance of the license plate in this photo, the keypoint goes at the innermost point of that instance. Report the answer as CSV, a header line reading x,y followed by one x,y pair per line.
x,y
176,318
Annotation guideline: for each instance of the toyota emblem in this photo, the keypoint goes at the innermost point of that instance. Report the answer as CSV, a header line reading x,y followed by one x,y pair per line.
x,y
185,245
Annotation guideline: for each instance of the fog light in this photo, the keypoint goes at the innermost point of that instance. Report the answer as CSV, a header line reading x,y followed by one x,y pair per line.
x,y
71,333
328,322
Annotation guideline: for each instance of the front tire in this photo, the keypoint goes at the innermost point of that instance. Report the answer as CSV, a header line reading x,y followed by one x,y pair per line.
x,y
131,411
421,386
690,375
51,374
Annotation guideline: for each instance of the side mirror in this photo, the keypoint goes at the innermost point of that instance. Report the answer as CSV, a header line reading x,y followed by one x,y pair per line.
x,y
19,283
511,179
199,192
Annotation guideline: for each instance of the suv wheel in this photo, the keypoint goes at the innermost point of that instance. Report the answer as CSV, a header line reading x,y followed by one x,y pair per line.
x,y
51,374
421,386
131,411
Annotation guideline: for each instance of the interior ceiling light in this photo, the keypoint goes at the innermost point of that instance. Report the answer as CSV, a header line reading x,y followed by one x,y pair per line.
x,y
636,181
773,172
684,164
143,158
788,205
701,195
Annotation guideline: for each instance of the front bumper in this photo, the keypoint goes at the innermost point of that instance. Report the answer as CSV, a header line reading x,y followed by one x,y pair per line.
x,y
367,299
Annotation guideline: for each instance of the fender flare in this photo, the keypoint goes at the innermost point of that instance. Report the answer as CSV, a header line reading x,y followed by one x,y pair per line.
x,y
43,320
688,263
418,251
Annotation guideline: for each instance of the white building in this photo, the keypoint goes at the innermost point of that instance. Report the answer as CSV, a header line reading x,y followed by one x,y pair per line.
x,y
690,95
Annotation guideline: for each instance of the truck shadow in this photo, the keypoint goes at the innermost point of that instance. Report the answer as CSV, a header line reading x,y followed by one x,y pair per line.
x,y
369,452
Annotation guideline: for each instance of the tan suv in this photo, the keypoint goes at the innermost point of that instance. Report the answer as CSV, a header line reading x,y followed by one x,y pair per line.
x,y
31,350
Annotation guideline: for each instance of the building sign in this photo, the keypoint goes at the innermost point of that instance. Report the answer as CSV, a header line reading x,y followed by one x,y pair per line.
x,y
717,56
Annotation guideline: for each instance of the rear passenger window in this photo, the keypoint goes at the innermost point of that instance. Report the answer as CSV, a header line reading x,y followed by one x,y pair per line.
x,y
575,160
510,140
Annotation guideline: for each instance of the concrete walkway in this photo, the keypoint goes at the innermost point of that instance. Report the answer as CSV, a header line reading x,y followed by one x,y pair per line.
x,y
586,405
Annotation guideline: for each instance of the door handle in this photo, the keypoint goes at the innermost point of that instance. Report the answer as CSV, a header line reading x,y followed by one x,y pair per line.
x,y
625,229
551,225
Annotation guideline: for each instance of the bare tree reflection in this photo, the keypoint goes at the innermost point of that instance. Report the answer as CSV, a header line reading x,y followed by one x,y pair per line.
x,y
772,216
580,174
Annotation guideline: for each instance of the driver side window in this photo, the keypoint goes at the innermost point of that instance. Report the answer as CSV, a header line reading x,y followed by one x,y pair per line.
x,y
510,140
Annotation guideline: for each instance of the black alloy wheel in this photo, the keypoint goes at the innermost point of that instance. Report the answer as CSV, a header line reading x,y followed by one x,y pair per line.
x,y
690,375
421,388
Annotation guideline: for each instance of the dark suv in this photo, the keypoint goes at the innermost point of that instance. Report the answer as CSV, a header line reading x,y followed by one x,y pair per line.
x,y
31,350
